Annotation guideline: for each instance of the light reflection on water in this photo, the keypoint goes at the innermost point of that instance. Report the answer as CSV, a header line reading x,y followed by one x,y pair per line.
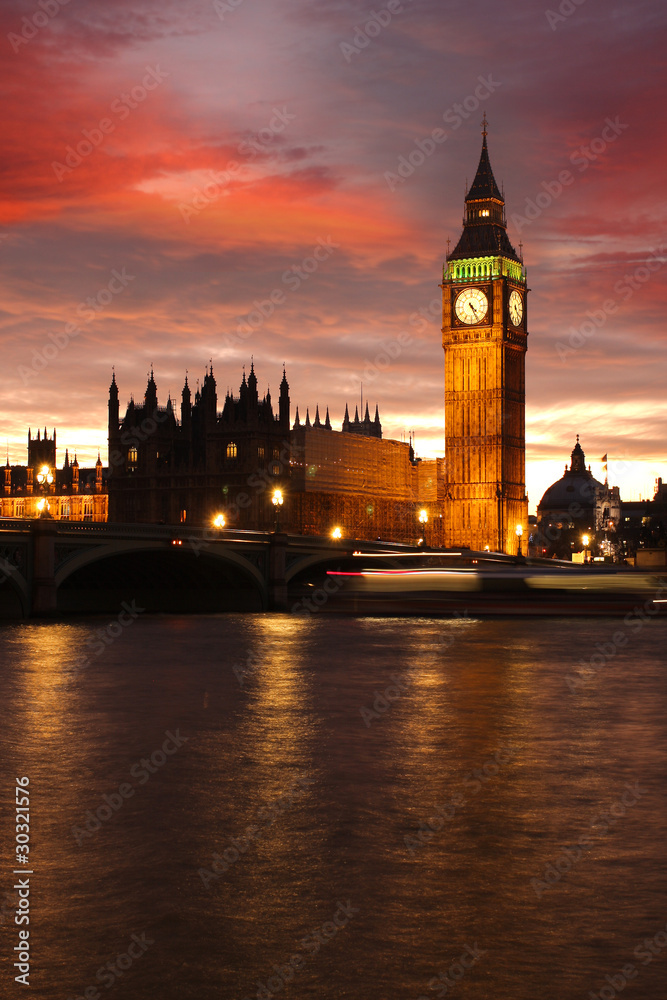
x,y
282,747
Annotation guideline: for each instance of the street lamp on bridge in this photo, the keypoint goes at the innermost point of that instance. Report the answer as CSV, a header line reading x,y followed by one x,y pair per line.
x,y
277,500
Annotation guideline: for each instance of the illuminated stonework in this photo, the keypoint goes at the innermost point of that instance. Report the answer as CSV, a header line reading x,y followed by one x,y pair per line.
x,y
40,490
485,347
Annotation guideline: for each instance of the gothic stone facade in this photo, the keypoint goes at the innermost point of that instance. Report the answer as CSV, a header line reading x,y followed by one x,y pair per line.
x,y
207,463
39,489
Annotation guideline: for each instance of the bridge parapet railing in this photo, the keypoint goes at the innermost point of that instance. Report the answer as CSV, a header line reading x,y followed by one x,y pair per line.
x,y
183,533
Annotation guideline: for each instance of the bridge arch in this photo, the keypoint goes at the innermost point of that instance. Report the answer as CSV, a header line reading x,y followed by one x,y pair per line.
x,y
216,568
19,589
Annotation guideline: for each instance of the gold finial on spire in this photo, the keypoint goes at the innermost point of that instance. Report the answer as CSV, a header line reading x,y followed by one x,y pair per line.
x,y
484,125
449,243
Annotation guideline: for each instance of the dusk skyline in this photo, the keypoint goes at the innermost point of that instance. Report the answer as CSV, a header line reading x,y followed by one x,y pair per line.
x,y
222,149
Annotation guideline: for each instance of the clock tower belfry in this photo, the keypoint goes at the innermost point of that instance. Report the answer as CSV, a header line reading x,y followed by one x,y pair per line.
x,y
484,335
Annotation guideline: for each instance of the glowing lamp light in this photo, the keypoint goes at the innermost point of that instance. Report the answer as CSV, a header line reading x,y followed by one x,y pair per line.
x,y
585,539
219,521
336,533
277,500
519,530
423,517
44,476
42,505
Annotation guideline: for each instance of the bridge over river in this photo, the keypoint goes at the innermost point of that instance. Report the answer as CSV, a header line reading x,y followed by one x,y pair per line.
x,y
50,567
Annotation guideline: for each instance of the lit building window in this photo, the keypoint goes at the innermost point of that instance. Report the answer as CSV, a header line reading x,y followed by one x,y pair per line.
x,y
275,468
132,458
232,450
87,510
184,516
260,452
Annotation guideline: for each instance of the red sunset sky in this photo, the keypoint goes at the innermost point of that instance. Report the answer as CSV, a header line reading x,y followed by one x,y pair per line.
x,y
313,111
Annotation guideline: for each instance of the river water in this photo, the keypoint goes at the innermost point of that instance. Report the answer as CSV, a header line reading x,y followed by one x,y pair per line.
x,y
330,807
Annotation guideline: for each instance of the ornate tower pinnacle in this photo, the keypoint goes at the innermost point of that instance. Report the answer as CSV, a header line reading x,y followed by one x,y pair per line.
x,y
484,335
284,402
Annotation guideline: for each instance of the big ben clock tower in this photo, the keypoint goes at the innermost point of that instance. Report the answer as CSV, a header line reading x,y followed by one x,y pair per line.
x,y
484,335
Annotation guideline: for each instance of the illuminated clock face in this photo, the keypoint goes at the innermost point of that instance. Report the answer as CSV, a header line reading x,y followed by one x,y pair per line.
x,y
471,305
516,308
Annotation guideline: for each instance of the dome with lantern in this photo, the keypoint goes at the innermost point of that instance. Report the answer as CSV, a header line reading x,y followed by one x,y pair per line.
x,y
573,496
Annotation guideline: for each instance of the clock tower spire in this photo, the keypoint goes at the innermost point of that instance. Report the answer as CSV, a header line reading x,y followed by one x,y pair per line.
x,y
484,336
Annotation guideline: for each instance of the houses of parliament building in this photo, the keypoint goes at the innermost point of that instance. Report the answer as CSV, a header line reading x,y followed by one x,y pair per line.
x,y
205,457
209,460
